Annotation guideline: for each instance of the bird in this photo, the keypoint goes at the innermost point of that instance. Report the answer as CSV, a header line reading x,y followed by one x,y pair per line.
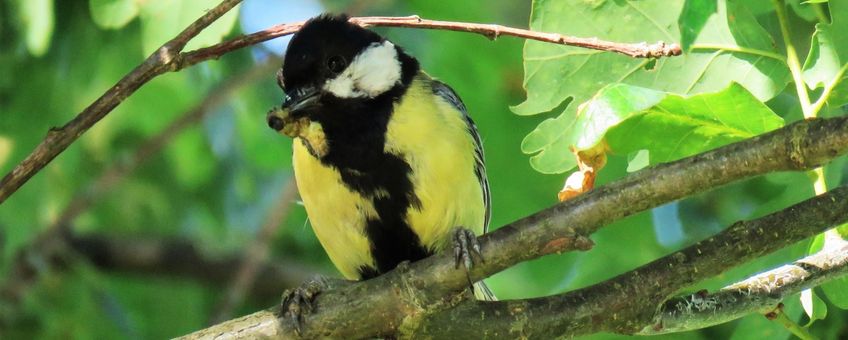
x,y
389,165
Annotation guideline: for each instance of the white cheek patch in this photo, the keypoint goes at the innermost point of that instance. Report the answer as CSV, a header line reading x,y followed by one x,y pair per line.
x,y
372,72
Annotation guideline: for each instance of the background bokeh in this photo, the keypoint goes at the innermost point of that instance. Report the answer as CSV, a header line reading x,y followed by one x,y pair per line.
x,y
215,184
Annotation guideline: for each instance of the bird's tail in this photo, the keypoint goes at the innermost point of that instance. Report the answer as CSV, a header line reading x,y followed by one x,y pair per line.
x,y
483,293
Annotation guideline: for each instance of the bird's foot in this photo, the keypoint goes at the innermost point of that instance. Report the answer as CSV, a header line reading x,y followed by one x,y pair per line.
x,y
465,247
298,302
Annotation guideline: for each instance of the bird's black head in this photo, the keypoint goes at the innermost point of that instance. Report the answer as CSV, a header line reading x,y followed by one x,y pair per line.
x,y
333,60
322,49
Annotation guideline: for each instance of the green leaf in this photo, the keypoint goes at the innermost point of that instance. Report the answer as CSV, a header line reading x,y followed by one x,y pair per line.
x,y
192,161
813,305
162,20
730,46
610,106
814,1
38,20
837,292
113,14
679,127
666,126
693,18
827,61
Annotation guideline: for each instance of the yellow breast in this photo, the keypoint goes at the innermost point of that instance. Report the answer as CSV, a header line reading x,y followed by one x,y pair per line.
x,y
336,213
432,137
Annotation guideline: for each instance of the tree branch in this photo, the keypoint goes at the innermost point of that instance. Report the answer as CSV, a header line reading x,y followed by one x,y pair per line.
x,y
756,294
180,258
380,306
58,139
170,58
627,303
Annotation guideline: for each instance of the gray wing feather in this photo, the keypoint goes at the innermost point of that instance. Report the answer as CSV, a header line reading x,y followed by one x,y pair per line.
x,y
444,91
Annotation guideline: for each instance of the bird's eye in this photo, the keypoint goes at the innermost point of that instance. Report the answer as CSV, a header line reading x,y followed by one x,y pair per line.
x,y
336,64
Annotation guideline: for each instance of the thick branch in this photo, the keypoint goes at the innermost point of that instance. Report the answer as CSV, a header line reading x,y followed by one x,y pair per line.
x,y
381,305
756,294
180,258
627,303
170,57
58,139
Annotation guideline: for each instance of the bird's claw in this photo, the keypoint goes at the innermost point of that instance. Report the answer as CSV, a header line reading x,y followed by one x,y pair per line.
x,y
465,247
297,302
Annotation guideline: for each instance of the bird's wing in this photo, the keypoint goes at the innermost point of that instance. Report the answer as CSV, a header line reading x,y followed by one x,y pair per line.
x,y
446,92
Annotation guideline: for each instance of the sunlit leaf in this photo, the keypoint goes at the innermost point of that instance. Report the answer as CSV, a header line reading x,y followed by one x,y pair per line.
x,y
827,62
729,46
38,20
113,13
667,126
813,305
678,127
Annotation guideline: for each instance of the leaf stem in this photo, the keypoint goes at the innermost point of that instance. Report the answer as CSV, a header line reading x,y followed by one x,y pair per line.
x,y
792,59
792,326
739,49
820,14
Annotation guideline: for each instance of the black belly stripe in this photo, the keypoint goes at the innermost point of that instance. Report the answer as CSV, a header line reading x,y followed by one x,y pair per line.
x,y
386,182
356,134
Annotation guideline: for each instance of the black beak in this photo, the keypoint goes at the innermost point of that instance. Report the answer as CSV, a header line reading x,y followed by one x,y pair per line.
x,y
291,119
300,99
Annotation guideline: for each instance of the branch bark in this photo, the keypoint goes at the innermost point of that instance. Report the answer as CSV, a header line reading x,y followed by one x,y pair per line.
x,y
180,258
627,303
170,57
757,294
381,306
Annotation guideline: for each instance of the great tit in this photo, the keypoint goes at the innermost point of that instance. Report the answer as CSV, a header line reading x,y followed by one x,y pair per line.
x,y
388,162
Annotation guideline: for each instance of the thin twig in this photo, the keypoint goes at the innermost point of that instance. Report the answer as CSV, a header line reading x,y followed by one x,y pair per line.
x,y
256,254
379,306
637,50
58,139
169,58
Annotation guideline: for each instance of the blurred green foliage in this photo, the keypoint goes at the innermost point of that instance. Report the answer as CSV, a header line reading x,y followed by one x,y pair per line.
x,y
216,182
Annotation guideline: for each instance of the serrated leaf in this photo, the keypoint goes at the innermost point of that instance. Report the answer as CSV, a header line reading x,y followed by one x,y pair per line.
x,y
609,107
666,126
731,46
38,20
113,14
164,19
827,61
